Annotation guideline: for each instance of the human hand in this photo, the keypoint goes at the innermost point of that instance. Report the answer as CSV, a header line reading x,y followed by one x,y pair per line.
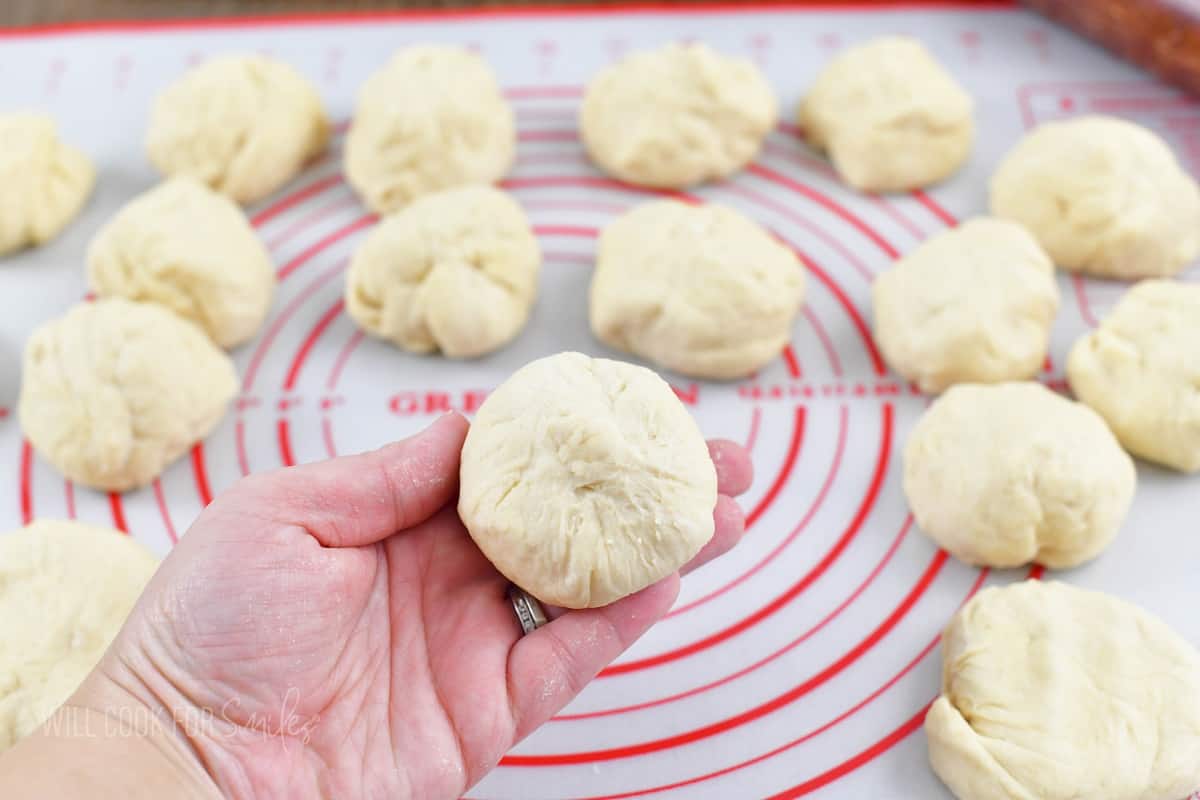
x,y
332,630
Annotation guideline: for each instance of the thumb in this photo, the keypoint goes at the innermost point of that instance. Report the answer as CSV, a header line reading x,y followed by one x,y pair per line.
x,y
362,499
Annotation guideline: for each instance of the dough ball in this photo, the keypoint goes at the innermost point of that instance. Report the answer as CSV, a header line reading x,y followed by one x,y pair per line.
x,y
65,590
1141,371
1010,473
186,247
585,480
243,124
971,305
890,117
433,118
114,391
1055,693
1104,196
701,290
677,116
43,182
455,272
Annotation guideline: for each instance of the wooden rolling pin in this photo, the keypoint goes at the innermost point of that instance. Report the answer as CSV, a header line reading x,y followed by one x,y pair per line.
x,y
1160,35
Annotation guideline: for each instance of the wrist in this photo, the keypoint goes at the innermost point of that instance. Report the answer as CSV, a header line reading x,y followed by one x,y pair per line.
x,y
105,743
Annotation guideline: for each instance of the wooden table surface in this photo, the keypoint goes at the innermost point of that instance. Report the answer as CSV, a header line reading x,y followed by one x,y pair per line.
x,y
39,12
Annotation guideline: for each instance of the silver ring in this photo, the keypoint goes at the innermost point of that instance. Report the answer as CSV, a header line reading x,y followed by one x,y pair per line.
x,y
530,613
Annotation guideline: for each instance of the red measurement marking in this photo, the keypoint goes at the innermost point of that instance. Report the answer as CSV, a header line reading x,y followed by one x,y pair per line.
x,y
239,435
26,482
285,404
935,208
851,310
330,239
731,723
548,136
310,341
327,435
793,363
835,363
792,645
306,221
118,512
243,403
352,343
161,500
752,434
826,202
796,589
542,92
285,444
69,493
3,412
789,462
1085,308
1036,572
330,403
295,199
202,487
690,396
908,668
276,325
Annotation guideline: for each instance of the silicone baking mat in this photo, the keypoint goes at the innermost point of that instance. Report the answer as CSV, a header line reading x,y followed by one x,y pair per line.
x,y
800,664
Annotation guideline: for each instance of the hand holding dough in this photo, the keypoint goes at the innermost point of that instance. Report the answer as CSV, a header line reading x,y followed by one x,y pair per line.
x,y
431,119
1055,693
43,182
114,391
890,117
186,247
1104,196
455,272
1005,474
1141,371
65,590
585,480
676,116
243,124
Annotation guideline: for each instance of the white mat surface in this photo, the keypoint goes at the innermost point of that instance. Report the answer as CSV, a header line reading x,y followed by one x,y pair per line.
x,y
801,663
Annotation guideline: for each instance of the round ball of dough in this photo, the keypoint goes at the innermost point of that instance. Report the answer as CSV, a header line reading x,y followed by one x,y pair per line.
x,y
971,305
433,118
890,117
585,480
701,290
1057,693
1006,474
114,391
43,182
1104,196
243,124
455,272
188,248
676,116
1141,371
65,590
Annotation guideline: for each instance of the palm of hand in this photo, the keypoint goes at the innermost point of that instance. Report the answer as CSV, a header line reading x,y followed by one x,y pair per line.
x,y
338,660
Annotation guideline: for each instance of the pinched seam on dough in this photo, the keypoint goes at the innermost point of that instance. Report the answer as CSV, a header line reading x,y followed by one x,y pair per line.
x,y
982,741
